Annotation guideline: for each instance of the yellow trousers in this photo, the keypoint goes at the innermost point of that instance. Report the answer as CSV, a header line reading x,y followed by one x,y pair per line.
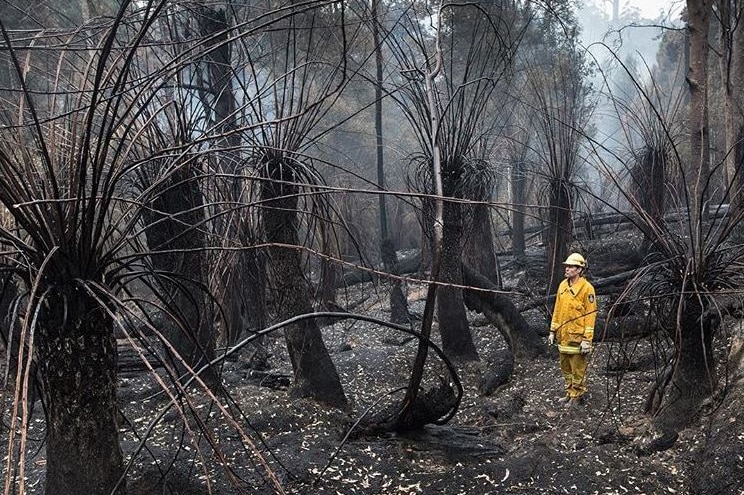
x,y
573,367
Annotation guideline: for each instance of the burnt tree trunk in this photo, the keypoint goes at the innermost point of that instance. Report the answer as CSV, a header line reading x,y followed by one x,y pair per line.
x,y
315,375
330,272
649,187
650,180
698,25
427,235
175,235
732,76
78,381
246,308
398,301
215,29
457,342
559,232
736,170
240,276
675,400
518,201
479,250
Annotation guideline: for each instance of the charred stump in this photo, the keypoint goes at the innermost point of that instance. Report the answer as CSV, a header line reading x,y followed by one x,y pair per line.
x,y
429,407
625,328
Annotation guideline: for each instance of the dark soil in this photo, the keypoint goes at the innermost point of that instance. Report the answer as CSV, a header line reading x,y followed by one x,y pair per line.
x,y
519,440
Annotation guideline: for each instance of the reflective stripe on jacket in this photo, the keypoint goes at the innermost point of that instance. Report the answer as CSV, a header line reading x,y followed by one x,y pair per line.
x,y
574,315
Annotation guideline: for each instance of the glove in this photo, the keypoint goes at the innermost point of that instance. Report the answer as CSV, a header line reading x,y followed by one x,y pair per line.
x,y
551,338
586,347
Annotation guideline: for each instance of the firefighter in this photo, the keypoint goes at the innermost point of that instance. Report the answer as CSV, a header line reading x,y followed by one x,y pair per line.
x,y
572,327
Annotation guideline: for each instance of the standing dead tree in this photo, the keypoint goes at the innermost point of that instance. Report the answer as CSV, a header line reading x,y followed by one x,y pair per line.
x,y
472,54
558,98
292,94
388,254
730,14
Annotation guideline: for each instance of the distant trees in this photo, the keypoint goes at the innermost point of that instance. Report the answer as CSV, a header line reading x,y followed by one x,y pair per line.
x,y
560,106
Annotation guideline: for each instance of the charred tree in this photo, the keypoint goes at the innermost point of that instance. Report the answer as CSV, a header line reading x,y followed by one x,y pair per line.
x,y
457,341
241,274
216,90
649,178
315,375
398,303
696,263
78,380
174,228
730,14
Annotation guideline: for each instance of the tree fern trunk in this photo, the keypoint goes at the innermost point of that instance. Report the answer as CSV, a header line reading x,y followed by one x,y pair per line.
x,y
693,375
77,350
175,234
457,342
315,374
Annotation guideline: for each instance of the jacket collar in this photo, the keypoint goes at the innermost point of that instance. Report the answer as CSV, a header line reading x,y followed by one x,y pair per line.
x,y
578,285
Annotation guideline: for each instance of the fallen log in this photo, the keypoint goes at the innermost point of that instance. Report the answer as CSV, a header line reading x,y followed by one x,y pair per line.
x,y
522,339
129,360
602,283
501,369
625,328
408,262
620,218
456,443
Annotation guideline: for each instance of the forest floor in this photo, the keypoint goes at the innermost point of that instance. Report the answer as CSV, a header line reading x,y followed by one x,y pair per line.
x,y
518,440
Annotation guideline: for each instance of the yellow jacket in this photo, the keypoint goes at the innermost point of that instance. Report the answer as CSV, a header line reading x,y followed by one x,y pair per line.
x,y
574,315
